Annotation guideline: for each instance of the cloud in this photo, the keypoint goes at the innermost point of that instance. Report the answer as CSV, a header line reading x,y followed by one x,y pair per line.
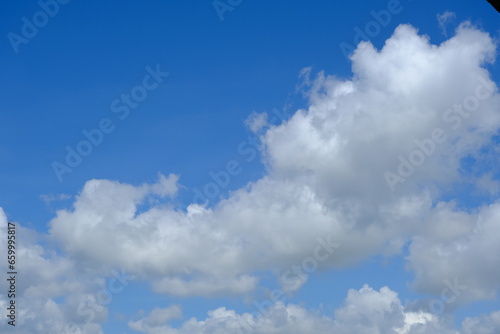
x,y
367,310
327,170
444,19
483,324
454,255
156,320
364,311
49,198
327,175
45,278
256,121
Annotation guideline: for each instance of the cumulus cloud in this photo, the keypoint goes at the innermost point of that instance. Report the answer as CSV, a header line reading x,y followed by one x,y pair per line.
x,y
369,163
364,311
489,323
50,289
455,255
157,320
333,169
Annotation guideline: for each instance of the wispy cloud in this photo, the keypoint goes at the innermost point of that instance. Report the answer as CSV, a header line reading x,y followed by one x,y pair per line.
x,y
444,19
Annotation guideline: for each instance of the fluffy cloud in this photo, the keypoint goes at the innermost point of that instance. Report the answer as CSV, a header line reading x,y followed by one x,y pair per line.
x,y
453,255
157,320
483,324
369,166
333,169
50,289
364,311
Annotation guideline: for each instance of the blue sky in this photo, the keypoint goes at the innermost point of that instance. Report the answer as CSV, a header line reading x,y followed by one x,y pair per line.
x,y
315,166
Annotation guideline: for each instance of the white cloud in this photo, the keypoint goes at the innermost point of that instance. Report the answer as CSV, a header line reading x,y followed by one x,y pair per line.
x,y
435,259
256,121
44,277
156,320
444,19
49,198
483,324
370,311
363,311
326,168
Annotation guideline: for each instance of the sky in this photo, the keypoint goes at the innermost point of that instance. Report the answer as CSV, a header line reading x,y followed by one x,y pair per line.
x,y
237,166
